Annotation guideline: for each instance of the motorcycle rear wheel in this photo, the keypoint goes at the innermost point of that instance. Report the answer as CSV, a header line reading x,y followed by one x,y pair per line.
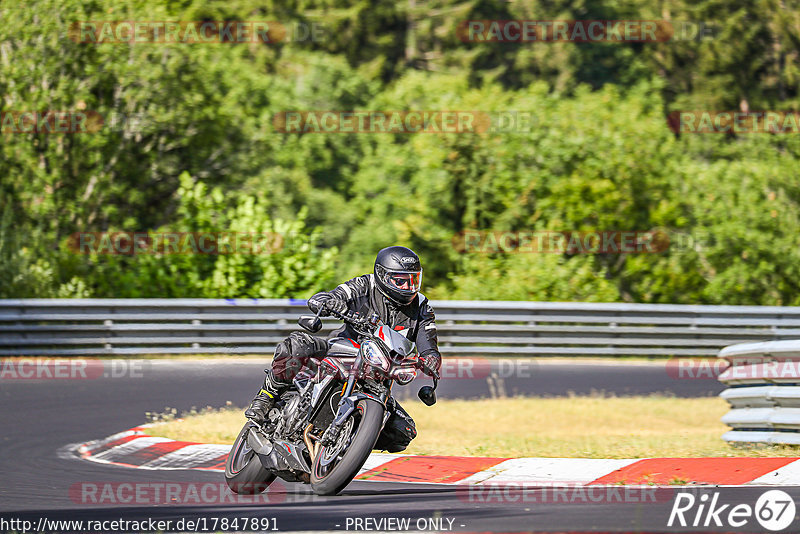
x,y
366,426
244,473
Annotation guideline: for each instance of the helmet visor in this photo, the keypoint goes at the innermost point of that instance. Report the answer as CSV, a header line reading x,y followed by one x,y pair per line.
x,y
408,282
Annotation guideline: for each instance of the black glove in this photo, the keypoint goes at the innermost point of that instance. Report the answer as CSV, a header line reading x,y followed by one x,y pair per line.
x,y
431,363
334,305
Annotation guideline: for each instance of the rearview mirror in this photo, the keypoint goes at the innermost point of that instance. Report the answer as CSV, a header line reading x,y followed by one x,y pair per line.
x,y
311,323
427,395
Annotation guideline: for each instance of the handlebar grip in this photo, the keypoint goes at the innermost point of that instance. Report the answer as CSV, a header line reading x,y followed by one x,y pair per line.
x,y
428,371
349,317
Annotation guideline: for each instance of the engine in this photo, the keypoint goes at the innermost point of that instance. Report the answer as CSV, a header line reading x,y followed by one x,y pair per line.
x,y
289,421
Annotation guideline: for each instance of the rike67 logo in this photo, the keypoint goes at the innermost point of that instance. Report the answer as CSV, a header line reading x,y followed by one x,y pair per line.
x,y
774,511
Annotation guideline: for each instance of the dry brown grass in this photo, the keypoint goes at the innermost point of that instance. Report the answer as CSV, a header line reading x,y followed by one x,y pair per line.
x,y
572,427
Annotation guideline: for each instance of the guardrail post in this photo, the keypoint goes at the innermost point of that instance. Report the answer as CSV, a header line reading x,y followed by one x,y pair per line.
x,y
199,332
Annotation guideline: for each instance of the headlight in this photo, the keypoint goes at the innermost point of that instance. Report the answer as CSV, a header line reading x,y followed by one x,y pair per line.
x,y
375,356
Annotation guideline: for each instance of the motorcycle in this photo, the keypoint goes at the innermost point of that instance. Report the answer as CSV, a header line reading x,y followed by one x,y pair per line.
x,y
322,430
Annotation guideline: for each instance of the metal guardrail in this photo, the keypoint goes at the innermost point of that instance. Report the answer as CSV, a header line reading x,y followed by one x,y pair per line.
x,y
764,392
248,326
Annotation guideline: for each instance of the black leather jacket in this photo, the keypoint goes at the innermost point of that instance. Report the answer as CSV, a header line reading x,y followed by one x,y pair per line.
x,y
363,296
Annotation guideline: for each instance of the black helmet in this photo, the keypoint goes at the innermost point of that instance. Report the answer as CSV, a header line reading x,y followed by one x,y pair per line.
x,y
398,273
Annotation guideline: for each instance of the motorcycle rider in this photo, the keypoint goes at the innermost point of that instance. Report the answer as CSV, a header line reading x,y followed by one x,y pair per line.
x,y
392,292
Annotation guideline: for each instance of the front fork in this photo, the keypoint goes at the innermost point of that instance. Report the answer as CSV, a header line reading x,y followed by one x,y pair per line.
x,y
347,404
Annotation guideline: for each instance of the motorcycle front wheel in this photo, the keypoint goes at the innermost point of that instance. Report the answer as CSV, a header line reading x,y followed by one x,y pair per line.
x,y
243,470
336,465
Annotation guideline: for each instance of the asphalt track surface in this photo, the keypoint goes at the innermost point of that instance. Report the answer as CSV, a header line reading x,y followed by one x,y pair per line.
x,y
39,417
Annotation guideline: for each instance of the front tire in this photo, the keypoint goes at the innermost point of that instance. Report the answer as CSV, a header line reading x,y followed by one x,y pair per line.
x,y
367,420
243,470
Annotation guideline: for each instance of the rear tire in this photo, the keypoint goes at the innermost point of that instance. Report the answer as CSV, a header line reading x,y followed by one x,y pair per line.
x,y
243,470
369,419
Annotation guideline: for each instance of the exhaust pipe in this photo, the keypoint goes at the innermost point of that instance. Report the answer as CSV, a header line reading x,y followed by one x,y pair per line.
x,y
313,447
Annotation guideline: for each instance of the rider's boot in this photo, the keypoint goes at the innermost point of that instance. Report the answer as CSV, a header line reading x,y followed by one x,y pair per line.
x,y
265,398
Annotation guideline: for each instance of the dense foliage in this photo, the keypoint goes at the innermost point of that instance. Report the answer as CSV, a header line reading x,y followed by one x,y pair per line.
x,y
189,145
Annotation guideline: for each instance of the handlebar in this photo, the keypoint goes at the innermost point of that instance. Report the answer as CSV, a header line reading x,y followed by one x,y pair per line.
x,y
354,319
365,326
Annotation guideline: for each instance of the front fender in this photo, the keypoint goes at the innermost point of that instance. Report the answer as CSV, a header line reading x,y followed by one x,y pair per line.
x,y
348,404
346,407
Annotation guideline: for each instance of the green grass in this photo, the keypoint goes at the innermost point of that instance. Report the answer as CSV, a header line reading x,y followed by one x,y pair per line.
x,y
565,427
